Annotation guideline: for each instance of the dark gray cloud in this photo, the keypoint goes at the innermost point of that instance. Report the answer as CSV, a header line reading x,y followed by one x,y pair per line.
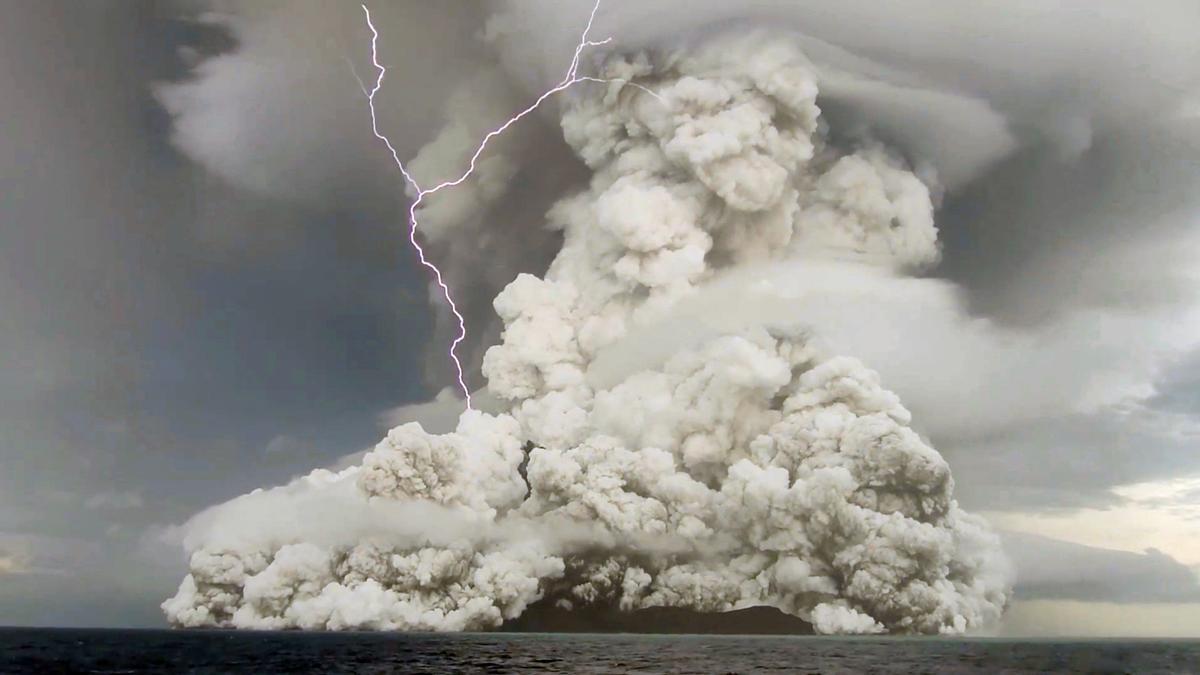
x,y
1111,227
1074,461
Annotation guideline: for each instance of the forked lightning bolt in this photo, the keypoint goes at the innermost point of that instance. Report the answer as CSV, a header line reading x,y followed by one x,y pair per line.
x,y
572,77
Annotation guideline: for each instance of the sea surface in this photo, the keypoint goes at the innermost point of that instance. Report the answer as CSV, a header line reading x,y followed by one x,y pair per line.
x,y
37,650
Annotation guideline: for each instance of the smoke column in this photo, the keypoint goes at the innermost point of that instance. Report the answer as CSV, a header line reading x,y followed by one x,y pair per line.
x,y
750,466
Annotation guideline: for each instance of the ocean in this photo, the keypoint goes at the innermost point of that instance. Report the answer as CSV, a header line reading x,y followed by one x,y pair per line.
x,y
40,650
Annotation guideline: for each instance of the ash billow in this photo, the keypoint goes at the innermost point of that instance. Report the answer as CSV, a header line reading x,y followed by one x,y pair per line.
x,y
751,467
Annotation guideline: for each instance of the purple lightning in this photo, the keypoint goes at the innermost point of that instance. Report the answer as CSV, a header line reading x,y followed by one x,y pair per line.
x,y
569,79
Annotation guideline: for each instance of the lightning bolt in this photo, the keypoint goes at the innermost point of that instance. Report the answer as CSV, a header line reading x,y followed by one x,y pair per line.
x,y
570,78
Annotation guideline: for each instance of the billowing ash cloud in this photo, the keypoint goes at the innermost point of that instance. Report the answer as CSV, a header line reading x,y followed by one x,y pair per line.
x,y
753,466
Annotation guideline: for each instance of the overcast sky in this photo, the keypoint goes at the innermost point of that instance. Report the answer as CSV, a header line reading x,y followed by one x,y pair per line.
x,y
206,286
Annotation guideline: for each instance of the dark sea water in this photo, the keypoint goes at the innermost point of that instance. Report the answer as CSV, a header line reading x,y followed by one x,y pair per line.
x,y
150,651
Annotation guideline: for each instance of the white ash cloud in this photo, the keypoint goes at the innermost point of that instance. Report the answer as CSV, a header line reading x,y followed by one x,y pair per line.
x,y
755,466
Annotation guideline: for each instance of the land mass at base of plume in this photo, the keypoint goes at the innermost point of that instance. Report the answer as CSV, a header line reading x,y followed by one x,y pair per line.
x,y
545,617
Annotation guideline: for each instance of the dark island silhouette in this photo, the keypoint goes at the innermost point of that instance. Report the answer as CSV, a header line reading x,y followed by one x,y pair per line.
x,y
545,617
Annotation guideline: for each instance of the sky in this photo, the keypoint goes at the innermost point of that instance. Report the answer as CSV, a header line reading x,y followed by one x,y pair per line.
x,y
206,286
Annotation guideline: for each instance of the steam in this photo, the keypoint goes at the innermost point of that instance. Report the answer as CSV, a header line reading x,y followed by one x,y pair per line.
x,y
751,466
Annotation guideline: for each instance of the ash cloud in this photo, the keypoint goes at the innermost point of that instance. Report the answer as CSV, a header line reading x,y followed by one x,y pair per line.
x,y
628,459
754,467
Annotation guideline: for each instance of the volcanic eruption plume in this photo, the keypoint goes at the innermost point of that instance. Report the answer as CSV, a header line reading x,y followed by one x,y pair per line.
x,y
750,465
